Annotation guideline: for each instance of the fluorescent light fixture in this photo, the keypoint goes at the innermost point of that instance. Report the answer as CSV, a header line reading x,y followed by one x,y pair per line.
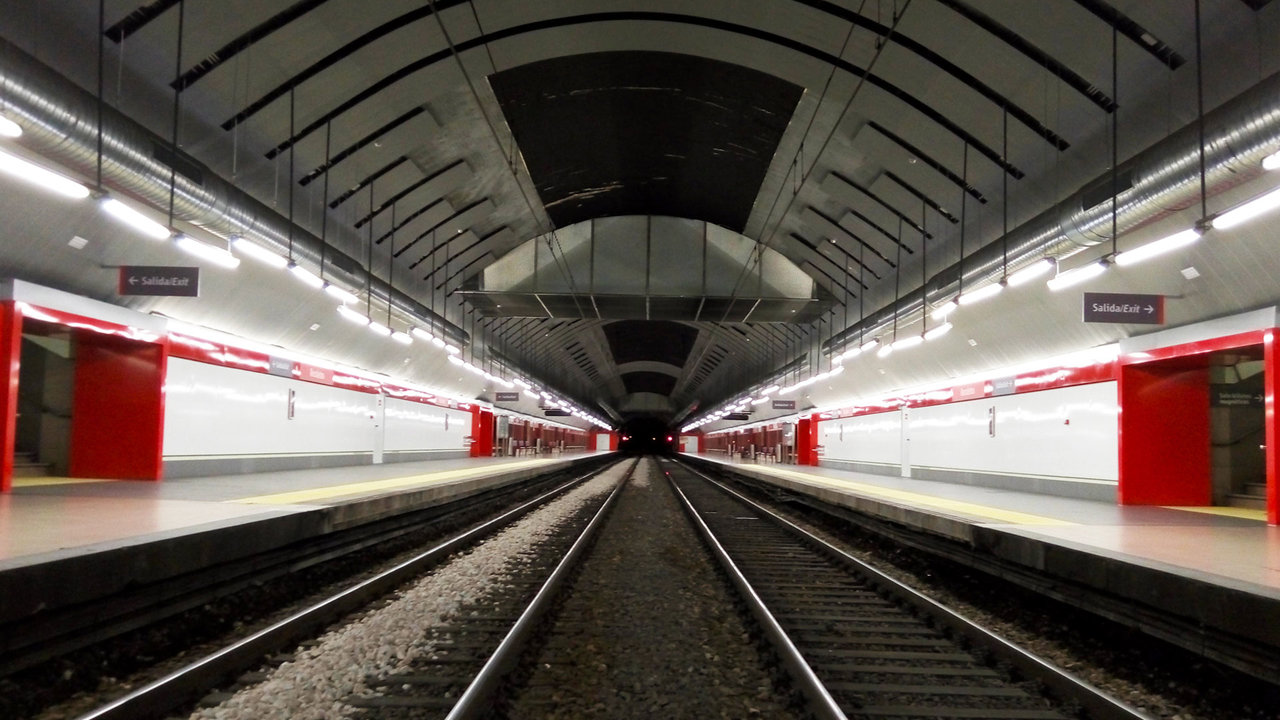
x,y
760,401
422,335
1075,276
1248,211
339,293
11,129
523,383
455,360
983,293
545,395
769,390
135,219
47,179
438,342
1158,247
379,329
787,390
907,342
402,337
257,252
352,315
943,310
885,351
870,345
215,255
1031,272
938,331
1271,162
306,276
451,349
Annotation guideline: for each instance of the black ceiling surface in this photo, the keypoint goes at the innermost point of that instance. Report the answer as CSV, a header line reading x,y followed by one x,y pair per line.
x,y
650,340
650,382
645,133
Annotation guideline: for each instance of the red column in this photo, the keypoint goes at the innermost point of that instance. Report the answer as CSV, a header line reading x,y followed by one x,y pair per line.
x,y
11,356
474,449
1271,376
486,433
117,416
806,438
1164,434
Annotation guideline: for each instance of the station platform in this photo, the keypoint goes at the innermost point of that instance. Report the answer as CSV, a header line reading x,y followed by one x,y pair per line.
x,y
1216,566
65,542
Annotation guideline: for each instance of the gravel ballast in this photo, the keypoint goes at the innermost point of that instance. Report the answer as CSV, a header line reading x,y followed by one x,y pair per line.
x,y
650,628
385,640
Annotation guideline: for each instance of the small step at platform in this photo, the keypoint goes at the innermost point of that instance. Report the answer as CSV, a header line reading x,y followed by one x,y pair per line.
x,y
25,464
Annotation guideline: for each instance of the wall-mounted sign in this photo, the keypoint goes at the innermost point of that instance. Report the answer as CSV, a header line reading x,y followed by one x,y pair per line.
x,y
552,412
969,391
1124,308
172,280
1229,396
506,397
784,404
314,374
737,416
280,366
1004,386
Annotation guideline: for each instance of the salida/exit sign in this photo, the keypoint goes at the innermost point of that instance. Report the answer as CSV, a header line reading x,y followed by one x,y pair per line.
x,y
173,280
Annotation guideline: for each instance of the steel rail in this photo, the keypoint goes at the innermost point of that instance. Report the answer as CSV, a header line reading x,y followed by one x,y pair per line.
x,y
160,697
477,700
1062,685
819,699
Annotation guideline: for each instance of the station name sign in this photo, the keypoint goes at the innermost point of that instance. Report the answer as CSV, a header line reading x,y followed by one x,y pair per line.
x,y
784,404
173,280
1123,308
506,397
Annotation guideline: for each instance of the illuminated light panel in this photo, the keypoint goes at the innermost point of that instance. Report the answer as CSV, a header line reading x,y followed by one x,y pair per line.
x,y
870,345
135,219
42,177
353,316
402,337
451,349
884,351
438,342
1271,162
1078,275
257,252
983,293
943,310
1031,272
907,342
769,390
938,331
306,276
422,335
1158,247
1248,211
378,328
336,292
455,360
215,255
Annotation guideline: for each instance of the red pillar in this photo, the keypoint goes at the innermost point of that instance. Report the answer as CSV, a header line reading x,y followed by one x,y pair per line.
x,y
117,425
486,433
1164,433
806,439
1272,435
10,356
474,449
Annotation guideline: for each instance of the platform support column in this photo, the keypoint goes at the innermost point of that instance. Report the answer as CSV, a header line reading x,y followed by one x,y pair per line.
x,y
1271,435
806,439
11,356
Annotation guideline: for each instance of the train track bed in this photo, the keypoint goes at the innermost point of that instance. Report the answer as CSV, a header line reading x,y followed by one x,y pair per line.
x,y
345,668
1149,674
648,629
877,650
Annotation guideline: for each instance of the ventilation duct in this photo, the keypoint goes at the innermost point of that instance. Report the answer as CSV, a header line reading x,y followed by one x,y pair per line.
x,y
1162,179
59,121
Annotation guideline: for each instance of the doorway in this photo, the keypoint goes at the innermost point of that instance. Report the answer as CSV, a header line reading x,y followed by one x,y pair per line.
x,y
46,382
1237,427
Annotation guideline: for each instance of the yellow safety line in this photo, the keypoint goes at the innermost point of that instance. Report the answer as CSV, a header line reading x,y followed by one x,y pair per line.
x,y
967,508
296,497
1236,512
44,481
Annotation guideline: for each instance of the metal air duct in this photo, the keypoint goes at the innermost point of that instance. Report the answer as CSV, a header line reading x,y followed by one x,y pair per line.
x,y
1162,179
59,120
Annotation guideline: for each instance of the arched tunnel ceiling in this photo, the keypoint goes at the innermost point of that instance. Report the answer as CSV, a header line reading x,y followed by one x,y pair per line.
x,y
426,140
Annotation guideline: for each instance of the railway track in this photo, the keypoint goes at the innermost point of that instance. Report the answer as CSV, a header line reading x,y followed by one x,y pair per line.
x,y
862,645
182,687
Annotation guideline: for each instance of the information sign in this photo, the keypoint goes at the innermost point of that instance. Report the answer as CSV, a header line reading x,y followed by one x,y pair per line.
x,y
1123,308
170,280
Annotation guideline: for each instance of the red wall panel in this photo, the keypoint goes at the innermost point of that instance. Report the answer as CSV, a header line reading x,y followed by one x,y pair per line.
x,y
117,420
10,358
1164,434
1272,435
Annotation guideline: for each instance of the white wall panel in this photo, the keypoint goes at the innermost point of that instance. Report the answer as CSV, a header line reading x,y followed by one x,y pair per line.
x,y
1067,432
415,426
867,439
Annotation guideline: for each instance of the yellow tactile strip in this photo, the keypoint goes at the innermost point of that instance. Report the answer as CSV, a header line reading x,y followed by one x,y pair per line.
x,y
984,512
1235,512
300,497
22,482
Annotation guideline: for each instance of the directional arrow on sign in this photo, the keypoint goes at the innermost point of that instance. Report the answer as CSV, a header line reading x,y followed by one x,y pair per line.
x,y
1123,308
